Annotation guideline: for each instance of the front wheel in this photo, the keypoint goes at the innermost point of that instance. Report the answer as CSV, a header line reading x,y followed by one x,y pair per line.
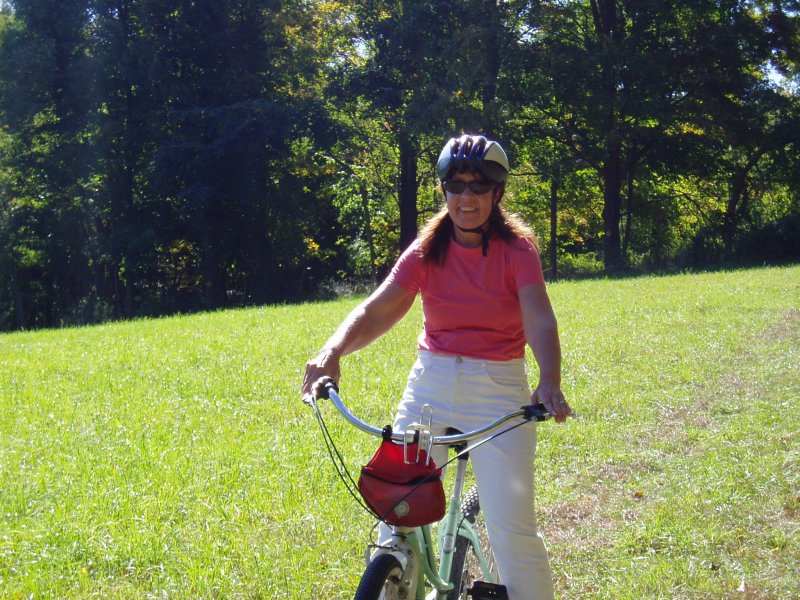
x,y
466,567
382,580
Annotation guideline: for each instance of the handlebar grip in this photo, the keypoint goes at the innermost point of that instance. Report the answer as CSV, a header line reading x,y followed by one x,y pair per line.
x,y
536,412
324,385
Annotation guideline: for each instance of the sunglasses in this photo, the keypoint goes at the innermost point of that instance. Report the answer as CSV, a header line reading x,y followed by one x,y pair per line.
x,y
476,187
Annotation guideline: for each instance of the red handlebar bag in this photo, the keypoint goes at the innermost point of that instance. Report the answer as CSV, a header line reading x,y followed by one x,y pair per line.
x,y
399,493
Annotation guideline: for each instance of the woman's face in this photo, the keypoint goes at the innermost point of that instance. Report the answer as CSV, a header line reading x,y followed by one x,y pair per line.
x,y
469,209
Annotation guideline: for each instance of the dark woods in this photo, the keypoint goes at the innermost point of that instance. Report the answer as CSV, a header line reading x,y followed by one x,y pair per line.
x,y
159,156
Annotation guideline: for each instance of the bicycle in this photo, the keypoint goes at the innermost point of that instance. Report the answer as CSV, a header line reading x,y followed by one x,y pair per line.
x,y
464,567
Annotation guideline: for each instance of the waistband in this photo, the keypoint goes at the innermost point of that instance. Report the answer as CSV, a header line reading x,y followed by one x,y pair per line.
x,y
436,357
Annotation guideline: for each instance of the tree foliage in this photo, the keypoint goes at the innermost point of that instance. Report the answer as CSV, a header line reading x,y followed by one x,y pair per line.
x,y
161,156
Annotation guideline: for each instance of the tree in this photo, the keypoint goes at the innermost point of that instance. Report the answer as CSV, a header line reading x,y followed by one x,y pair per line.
x,y
630,76
45,105
146,169
429,72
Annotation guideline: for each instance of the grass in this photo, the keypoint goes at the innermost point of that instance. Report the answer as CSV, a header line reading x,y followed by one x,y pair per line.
x,y
172,458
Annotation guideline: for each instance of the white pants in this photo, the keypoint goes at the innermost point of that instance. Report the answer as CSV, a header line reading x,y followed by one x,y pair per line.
x,y
466,394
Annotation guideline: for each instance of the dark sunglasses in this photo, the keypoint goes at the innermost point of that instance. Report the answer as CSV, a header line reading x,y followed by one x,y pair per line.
x,y
476,187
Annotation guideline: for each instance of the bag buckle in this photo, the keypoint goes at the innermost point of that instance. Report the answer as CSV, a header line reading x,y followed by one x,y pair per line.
x,y
421,434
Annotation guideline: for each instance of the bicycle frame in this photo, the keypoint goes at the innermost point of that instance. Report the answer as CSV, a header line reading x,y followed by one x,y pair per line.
x,y
452,526
413,547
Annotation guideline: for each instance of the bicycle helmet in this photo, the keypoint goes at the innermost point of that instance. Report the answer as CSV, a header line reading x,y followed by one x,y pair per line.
x,y
473,153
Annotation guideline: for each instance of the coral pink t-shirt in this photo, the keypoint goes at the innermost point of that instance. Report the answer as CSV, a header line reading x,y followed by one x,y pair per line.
x,y
471,303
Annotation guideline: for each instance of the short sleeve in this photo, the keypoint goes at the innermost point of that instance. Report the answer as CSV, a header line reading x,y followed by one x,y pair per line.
x,y
526,264
407,271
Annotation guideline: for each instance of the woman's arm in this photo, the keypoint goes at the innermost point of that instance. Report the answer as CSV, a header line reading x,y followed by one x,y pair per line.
x,y
367,322
541,332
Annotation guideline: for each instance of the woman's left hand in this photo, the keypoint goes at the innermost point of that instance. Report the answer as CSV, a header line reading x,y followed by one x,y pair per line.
x,y
550,395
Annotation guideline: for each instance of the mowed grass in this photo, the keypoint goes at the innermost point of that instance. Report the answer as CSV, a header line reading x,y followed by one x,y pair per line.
x,y
173,458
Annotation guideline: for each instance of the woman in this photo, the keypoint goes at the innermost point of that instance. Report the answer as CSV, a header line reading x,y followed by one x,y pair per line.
x,y
478,271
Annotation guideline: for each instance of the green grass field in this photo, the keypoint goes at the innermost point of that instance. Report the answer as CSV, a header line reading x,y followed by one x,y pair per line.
x,y
173,458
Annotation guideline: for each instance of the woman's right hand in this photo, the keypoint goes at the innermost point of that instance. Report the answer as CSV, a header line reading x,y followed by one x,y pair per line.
x,y
324,364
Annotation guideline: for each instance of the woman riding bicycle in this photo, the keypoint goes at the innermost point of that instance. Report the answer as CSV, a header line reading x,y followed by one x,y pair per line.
x,y
478,271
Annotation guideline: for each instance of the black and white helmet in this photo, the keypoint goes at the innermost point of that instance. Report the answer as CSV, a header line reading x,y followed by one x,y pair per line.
x,y
473,153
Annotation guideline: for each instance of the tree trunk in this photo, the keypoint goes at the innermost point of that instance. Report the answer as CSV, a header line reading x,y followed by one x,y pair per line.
x,y
606,24
493,44
553,246
407,192
19,305
214,277
738,192
121,173
732,210
612,202
626,240
368,232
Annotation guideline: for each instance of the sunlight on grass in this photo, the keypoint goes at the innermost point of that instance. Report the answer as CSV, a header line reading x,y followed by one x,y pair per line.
x,y
173,457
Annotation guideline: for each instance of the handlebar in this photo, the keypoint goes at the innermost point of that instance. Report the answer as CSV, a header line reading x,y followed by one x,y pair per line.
x,y
531,412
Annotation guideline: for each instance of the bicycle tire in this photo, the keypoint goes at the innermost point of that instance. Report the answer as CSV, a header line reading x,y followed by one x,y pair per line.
x,y
466,568
382,579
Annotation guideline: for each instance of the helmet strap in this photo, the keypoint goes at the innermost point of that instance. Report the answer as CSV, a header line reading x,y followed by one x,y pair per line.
x,y
484,235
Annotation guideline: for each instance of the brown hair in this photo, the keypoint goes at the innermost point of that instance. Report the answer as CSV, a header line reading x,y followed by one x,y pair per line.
x,y
438,231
